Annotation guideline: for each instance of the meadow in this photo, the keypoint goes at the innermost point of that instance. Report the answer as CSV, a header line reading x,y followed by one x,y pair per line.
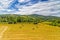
x,y
29,27
29,31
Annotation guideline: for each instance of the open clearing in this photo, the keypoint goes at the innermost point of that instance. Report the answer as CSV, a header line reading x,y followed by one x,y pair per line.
x,y
25,31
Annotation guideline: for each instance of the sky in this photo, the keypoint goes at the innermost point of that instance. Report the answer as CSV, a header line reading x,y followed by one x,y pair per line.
x,y
26,7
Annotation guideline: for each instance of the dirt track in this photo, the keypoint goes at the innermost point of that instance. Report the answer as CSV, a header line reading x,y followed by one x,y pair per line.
x,y
2,30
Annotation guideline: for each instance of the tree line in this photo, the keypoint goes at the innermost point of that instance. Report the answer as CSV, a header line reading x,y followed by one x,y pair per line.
x,y
13,19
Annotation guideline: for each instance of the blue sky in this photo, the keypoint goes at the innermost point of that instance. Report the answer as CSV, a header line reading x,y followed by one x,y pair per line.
x,y
26,7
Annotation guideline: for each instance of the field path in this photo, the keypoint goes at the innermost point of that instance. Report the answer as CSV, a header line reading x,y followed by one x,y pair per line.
x,y
2,30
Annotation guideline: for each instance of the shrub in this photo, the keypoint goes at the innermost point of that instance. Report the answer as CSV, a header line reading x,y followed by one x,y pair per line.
x,y
35,23
10,22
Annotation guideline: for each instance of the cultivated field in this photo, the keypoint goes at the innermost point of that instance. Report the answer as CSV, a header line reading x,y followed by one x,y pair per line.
x,y
26,31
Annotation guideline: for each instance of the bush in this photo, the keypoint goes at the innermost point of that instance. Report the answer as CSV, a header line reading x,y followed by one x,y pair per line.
x,y
10,22
15,22
35,23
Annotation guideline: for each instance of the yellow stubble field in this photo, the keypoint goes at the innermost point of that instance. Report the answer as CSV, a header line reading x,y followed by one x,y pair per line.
x,y
29,31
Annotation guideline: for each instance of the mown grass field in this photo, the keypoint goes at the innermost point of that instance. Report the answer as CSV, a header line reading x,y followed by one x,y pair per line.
x,y
26,31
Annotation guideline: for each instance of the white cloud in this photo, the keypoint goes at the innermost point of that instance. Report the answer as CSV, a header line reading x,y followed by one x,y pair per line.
x,y
5,3
23,0
43,8
46,8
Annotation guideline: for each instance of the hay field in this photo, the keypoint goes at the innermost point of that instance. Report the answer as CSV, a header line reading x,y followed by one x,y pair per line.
x,y
26,31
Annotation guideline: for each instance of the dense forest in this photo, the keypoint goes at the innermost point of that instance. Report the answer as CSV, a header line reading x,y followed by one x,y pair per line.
x,y
34,18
